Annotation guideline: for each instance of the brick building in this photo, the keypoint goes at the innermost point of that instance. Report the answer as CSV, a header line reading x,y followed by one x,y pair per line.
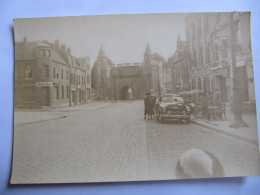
x,y
48,75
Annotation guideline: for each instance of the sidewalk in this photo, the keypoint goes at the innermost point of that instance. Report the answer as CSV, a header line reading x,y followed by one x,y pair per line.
x,y
248,134
38,115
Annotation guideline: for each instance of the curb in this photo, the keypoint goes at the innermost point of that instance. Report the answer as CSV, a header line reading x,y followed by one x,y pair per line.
x,y
91,109
54,110
34,122
244,139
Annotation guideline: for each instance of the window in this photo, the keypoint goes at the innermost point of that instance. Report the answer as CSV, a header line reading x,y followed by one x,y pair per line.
x,y
216,52
62,92
238,34
199,26
61,73
28,72
224,49
67,91
41,52
45,72
88,79
193,32
218,18
206,23
82,95
67,75
208,54
54,73
201,56
56,93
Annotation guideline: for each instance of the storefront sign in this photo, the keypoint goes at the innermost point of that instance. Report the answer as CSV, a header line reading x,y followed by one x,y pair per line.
x,y
44,84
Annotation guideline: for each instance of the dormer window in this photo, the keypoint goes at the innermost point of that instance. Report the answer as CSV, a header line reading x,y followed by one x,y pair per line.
x,y
45,53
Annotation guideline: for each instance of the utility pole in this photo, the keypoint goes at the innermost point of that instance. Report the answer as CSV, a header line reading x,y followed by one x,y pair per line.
x,y
173,81
236,105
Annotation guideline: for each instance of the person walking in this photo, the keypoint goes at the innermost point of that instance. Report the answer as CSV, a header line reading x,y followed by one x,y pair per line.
x,y
146,104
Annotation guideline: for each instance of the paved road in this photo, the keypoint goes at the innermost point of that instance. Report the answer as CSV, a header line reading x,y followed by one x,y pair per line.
x,y
116,144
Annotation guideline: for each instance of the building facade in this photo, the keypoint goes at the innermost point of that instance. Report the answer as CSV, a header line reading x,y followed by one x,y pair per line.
x,y
177,69
101,76
208,39
127,76
48,75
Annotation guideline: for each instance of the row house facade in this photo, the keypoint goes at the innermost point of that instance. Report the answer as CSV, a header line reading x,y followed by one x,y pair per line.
x,y
208,40
48,75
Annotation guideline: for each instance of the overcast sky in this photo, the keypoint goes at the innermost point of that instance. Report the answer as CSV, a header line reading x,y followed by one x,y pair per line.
x,y
124,37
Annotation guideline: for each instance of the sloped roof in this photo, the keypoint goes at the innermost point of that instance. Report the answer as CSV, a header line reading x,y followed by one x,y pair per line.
x,y
27,51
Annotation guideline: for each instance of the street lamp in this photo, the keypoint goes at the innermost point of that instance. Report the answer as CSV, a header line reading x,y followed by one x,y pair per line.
x,y
237,108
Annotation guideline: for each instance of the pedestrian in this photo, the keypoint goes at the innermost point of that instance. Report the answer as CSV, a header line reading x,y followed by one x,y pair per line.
x,y
146,104
150,110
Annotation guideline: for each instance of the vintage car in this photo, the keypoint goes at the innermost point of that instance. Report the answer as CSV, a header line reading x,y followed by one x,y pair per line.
x,y
171,106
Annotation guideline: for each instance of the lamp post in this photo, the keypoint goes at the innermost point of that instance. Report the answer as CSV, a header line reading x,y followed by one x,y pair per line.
x,y
236,106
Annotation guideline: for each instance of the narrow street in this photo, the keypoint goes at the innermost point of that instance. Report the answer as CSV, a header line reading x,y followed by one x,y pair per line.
x,y
115,143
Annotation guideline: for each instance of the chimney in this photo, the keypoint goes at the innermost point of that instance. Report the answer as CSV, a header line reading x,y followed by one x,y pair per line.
x,y
63,47
68,50
57,43
25,40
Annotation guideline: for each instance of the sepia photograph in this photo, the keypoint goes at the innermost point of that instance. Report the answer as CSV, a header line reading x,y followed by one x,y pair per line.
x,y
134,97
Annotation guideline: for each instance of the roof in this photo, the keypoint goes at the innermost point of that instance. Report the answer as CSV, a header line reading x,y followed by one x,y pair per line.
x,y
101,52
27,51
147,50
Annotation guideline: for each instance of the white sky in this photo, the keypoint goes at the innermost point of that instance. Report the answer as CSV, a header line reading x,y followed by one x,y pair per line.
x,y
124,37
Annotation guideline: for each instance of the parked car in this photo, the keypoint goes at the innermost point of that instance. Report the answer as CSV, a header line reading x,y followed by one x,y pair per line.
x,y
172,106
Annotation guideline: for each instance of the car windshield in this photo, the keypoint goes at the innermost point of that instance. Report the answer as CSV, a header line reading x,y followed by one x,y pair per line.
x,y
172,99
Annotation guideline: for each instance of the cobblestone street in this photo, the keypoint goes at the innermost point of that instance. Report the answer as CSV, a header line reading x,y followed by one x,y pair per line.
x,y
115,143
